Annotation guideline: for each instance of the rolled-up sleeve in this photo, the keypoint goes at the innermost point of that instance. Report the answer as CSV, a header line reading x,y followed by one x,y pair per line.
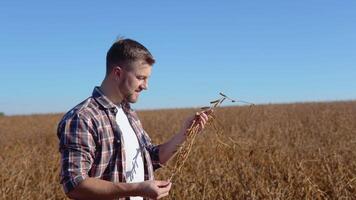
x,y
77,148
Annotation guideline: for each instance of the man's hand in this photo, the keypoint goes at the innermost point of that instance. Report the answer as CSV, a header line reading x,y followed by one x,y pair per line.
x,y
200,117
154,189
93,188
167,150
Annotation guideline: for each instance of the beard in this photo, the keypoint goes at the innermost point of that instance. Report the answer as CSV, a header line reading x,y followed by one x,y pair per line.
x,y
129,95
132,97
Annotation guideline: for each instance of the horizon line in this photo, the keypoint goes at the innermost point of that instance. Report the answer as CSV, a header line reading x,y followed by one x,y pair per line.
x,y
194,107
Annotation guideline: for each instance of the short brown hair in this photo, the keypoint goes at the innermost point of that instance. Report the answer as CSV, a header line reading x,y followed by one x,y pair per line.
x,y
125,51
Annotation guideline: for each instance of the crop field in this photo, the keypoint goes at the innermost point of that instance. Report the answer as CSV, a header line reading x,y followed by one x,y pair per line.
x,y
277,151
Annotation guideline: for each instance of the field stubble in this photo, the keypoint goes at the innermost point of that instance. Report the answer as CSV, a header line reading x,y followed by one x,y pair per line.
x,y
291,151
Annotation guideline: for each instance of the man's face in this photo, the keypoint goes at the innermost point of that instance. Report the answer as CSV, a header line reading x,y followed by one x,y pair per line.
x,y
134,80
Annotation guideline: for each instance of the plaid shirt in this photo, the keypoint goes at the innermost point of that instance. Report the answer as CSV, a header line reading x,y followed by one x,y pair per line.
x,y
91,143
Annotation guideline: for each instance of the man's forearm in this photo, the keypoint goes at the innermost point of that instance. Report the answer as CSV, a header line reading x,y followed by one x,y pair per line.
x,y
167,150
92,188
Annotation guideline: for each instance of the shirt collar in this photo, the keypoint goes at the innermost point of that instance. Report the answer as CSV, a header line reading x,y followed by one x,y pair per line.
x,y
104,101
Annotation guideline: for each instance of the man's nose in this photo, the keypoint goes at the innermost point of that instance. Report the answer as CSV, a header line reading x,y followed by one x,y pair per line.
x,y
145,85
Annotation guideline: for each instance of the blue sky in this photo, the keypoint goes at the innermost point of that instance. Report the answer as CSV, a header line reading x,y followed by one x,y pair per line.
x,y
52,53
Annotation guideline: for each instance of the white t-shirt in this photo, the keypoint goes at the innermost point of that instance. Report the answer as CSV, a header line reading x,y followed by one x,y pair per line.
x,y
134,161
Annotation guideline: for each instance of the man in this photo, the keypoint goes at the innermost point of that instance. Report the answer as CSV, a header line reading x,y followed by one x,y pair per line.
x,y
105,153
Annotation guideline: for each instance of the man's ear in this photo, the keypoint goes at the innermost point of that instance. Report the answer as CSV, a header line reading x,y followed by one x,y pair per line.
x,y
117,71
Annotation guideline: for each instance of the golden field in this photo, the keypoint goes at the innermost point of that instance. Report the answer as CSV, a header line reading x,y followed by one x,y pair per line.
x,y
287,151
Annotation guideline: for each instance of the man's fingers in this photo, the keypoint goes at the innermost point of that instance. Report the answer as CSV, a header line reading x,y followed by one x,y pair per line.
x,y
164,190
202,125
162,195
161,188
203,117
162,183
204,114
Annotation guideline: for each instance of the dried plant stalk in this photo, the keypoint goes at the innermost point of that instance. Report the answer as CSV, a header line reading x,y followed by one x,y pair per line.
x,y
184,149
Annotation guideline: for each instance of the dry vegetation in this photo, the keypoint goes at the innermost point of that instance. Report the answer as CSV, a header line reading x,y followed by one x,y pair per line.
x,y
294,151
